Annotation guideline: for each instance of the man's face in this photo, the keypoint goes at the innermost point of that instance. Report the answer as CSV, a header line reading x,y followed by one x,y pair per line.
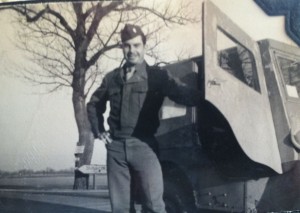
x,y
134,50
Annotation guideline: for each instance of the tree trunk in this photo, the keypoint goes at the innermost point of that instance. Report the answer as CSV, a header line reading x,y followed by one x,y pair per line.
x,y
86,139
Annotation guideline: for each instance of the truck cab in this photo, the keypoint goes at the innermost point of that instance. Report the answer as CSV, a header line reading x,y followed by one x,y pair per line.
x,y
239,150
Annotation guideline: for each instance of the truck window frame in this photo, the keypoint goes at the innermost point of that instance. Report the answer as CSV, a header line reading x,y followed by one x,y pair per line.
x,y
255,78
288,56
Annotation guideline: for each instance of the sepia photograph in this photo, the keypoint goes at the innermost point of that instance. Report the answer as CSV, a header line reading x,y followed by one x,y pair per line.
x,y
149,106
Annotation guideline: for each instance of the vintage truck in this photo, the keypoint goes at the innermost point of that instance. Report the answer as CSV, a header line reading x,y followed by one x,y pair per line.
x,y
239,150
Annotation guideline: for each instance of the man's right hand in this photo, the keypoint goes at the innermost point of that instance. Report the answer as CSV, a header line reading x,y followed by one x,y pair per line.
x,y
105,137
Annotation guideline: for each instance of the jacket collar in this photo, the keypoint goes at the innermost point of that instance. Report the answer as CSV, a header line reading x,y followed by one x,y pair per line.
x,y
139,75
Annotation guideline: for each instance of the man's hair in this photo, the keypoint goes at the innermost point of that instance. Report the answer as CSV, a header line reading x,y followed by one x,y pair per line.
x,y
130,31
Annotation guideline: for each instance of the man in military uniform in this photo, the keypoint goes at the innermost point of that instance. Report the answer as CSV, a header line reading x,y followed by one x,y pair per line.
x,y
135,92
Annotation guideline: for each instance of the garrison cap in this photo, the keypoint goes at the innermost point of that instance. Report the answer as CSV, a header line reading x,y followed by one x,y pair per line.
x,y
130,31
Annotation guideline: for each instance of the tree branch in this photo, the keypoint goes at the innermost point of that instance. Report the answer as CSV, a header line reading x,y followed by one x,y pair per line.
x,y
105,48
99,14
63,22
23,11
92,9
96,56
166,16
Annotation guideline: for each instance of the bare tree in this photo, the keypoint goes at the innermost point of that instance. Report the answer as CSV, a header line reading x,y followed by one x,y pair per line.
x,y
68,41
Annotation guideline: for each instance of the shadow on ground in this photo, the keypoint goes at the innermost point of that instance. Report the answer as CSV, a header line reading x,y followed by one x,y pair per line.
x,y
8,205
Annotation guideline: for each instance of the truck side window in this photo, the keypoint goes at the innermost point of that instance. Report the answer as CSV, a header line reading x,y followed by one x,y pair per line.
x,y
290,69
237,60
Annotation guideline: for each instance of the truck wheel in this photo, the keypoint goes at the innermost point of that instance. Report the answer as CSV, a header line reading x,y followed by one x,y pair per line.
x,y
176,200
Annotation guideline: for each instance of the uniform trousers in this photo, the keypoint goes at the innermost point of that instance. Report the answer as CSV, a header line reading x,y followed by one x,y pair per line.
x,y
129,159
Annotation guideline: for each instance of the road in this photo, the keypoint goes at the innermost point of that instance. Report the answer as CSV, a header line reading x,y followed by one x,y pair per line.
x,y
54,201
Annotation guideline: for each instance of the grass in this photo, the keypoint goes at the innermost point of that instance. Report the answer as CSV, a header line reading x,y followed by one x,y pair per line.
x,y
48,182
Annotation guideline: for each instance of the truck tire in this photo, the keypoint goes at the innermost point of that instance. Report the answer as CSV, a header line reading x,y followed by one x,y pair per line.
x,y
177,200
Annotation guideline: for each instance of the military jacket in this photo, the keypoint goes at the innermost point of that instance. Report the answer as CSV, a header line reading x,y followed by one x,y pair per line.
x,y
135,104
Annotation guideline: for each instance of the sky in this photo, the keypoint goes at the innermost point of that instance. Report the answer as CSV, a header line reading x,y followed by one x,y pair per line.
x,y
39,131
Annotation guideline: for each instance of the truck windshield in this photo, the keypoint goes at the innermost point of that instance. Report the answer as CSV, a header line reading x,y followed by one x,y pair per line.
x,y
290,70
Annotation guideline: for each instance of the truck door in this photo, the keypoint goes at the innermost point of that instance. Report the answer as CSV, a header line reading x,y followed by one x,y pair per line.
x,y
235,85
176,127
287,67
